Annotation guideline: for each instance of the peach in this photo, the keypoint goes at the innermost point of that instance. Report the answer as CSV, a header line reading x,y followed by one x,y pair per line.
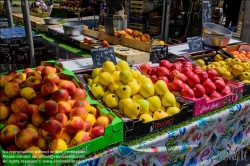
x,y
65,136
48,70
64,107
19,119
38,100
4,112
26,138
30,125
12,147
34,73
92,110
57,145
39,68
68,85
79,138
34,82
4,80
37,119
102,121
51,129
7,135
30,109
79,94
60,117
71,102
74,125
12,89
78,111
18,104
3,97
81,103
48,108
53,77
27,70
35,151
48,88
13,73
18,80
60,95
42,143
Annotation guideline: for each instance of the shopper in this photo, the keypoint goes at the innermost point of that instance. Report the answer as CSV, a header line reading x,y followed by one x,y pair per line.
x,y
231,9
39,3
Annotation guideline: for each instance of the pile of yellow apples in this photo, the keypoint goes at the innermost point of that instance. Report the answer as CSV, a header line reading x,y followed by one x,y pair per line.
x,y
229,68
42,112
132,94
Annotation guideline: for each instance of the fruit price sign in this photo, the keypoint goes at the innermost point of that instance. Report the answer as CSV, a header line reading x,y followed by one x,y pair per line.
x,y
206,11
15,54
195,44
158,53
101,55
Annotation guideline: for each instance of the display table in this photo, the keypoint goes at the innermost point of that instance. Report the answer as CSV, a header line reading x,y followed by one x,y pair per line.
x,y
206,141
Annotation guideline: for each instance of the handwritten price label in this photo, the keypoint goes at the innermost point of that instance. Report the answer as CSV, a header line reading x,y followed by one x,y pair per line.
x,y
158,53
101,55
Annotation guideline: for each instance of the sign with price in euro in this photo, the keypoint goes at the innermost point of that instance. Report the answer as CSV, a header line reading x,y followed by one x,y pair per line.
x,y
195,43
206,11
158,53
15,54
101,55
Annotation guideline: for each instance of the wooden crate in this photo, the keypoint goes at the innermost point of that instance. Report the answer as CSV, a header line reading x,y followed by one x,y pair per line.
x,y
109,39
88,47
44,27
20,20
90,32
132,56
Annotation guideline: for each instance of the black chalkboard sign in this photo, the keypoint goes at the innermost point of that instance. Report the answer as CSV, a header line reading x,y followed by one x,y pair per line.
x,y
206,11
158,53
15,54
101,55
195,44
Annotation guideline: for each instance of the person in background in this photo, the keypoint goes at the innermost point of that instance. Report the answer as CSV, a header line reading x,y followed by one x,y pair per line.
x,y
39,3
231,9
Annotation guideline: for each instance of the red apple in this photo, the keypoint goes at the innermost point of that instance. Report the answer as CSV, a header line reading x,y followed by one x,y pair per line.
x,y
87,126
207,98
81,103
177,85
153,71
51,129
173,74
228,88
96,132
185,86
175,66
220,85
74,125
187,92
181,77
214,95
209,87
60,95
34,82
38,100
165,63
192,80
219,78
212,73
199,90
197,69
48,108
162,71
203,76
68,85
186,69
165,79
145,68
226,91
153,78
19,119
188,73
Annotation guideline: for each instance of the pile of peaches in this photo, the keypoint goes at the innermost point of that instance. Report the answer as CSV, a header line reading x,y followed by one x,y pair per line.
x,y
44,113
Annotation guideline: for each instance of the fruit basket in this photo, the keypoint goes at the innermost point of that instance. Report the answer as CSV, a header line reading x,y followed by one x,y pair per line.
x,y
241,51
142,122
227,68
68,135
204,88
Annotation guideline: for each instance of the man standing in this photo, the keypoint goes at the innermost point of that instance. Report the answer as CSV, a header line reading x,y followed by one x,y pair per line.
x,y
231,9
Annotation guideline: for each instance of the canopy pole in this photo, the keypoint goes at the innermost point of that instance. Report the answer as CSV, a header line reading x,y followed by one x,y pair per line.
x,y
167,20
245,31
128,13
163,18
9,13
28,32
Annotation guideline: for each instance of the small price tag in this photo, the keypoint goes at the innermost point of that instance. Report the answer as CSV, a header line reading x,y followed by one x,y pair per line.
x,y
15,54
195,44
158,53
101,55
